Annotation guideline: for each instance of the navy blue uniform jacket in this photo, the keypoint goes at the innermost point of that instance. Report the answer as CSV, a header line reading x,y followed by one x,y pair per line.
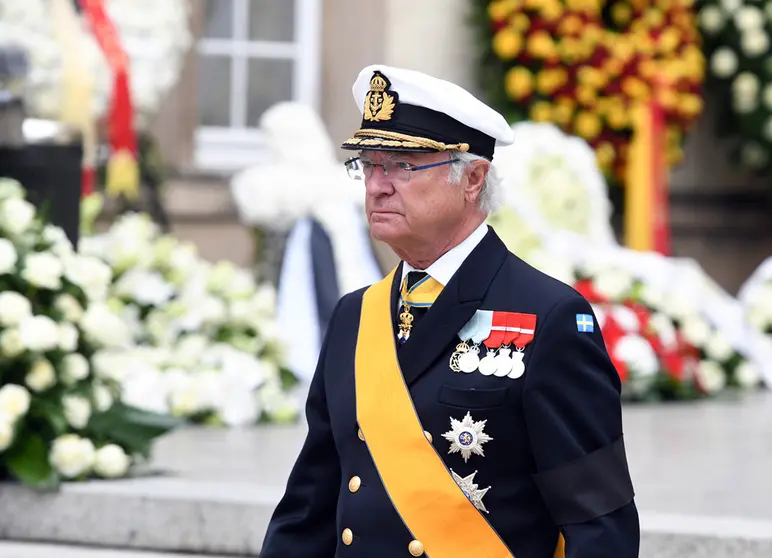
x,y
556,463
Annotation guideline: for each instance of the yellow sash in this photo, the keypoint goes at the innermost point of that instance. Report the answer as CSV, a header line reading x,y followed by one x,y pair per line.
x,y
431,504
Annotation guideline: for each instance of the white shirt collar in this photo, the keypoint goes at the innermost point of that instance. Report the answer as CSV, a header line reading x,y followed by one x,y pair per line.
x,y
444,268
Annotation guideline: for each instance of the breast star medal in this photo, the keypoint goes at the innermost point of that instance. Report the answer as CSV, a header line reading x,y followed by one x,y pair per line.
x,y
466,437
470,489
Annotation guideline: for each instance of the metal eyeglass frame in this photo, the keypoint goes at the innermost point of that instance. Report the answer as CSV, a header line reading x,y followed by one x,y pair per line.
x,y
407,167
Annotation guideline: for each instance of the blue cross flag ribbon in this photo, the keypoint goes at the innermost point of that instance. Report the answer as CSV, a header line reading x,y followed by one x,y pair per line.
x,y
585,323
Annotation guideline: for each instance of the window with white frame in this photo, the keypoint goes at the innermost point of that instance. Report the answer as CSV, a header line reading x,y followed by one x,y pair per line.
x,y
252,54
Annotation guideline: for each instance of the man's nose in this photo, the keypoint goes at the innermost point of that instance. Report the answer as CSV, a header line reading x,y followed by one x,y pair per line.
x,y
378,182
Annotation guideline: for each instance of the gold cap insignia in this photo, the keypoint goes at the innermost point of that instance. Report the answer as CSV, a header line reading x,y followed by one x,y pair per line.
x,y
379,105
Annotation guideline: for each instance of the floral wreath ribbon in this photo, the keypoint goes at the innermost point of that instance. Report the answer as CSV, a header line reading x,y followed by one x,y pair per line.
x,y
122,166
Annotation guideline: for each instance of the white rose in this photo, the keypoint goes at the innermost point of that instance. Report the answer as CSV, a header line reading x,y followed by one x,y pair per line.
x,y
665,329
754,155
111,365
747,374
77,410
44,270
14,307
58,240
147,288
68,337
14,401
16,215
613,284
718,347
724,62
111,462
92,275
39,333
72,456
10,343
103,327
183,259
767,94
768,129
74,368
284,411
638,354
103,399
6,431
731,6
8,256
41,376
744,104
755,42
712,19
652,296
69,306
695,330
146,388
213,310
10,188
746,84
710,376
626,318
759,318
748,17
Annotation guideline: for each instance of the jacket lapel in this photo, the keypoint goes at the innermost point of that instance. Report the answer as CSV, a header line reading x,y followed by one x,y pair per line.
x,y
458,301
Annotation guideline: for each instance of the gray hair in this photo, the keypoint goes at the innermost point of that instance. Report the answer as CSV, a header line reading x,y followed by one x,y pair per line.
x,y
490,193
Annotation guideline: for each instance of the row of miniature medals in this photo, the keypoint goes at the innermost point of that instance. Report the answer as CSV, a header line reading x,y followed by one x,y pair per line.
x,y
496,331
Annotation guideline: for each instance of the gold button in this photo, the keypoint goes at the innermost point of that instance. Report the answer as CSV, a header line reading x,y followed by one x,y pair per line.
x,y
347,537
361,435
415,548
354,484
428,436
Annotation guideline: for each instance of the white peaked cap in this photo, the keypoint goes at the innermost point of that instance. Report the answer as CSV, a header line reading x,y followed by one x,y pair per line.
x,y
411,111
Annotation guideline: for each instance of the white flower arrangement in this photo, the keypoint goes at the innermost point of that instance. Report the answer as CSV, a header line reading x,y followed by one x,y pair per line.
x,y
60,418
736,42
275,194
549,173
696,357
706,325
207,336
155,36
756,297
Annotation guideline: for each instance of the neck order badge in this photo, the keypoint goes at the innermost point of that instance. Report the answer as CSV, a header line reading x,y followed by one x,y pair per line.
x,y
423,491
421,295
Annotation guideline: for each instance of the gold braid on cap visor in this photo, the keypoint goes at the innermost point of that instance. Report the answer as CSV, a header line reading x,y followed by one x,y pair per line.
x,y
395,139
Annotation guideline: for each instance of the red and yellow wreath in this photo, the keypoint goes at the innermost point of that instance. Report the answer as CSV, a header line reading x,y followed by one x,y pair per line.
x,y
585,64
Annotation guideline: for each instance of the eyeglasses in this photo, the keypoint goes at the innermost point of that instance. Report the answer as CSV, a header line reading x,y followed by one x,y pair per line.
x,y
360,170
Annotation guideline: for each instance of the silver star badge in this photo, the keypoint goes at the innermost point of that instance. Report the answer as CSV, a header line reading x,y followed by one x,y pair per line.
x,y
470,490
467,437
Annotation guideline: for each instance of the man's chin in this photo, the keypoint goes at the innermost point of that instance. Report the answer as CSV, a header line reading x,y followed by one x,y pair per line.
x,y
384,230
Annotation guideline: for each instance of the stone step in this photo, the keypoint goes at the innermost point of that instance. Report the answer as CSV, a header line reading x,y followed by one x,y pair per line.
x,y
34,550
698,469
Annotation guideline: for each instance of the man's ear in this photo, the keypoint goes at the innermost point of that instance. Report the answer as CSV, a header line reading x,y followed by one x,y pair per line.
x,y
476,180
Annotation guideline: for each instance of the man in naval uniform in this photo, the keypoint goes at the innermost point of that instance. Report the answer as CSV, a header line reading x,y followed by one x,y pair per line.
x,y
465,405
